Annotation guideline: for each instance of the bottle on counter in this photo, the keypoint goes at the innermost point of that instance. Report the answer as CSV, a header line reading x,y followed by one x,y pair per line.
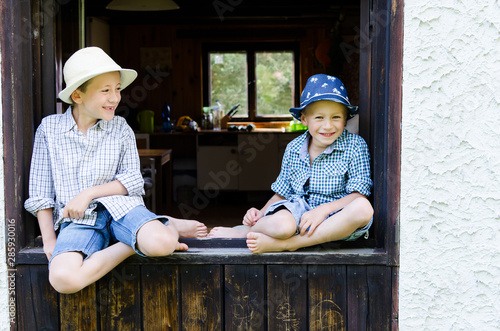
x,y
166,124
217,115
207,119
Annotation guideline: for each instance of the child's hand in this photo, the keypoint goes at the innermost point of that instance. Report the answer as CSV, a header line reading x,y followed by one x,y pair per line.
x,y
76,207
310,220
252,216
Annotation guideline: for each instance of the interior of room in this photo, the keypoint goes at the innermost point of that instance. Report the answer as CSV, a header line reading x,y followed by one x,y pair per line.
x,y
170,50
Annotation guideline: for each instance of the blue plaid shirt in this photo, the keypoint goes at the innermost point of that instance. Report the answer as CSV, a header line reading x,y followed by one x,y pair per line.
x,y
343,168
65,162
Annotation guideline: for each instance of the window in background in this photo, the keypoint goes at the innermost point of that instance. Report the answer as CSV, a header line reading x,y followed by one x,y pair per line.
x,y
229,79
275,83
260,78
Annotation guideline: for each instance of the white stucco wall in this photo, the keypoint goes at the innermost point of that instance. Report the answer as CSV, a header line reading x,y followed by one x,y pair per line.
x,y
450,194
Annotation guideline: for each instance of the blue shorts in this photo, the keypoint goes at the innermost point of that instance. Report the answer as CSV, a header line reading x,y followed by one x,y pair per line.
x,y
89,239
298,206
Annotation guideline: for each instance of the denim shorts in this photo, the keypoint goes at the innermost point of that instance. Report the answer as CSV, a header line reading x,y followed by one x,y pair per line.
x,y
298,206
89,239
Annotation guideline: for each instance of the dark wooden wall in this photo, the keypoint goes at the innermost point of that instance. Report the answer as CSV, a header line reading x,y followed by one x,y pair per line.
x,y
182,84
172,294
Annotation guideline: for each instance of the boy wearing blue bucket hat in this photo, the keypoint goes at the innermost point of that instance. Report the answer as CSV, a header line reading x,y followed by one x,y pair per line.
x,y
85,181
320,193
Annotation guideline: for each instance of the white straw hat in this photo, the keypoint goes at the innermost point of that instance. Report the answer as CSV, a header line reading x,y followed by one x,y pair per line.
x,y
87,63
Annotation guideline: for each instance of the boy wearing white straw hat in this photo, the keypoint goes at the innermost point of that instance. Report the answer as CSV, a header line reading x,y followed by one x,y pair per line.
x,y
320,193
85,181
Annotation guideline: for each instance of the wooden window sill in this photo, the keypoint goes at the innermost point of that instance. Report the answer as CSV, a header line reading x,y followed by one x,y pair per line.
x,y
234,251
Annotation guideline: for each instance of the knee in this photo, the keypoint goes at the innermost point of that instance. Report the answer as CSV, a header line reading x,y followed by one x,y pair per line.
x,y
364,210
159,244
64,281
283,226
287,230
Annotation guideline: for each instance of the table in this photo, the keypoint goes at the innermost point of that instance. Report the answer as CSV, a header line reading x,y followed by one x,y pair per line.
x,y
160,161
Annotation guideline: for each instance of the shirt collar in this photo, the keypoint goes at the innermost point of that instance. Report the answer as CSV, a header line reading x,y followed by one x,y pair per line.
x,y
339,144
68,122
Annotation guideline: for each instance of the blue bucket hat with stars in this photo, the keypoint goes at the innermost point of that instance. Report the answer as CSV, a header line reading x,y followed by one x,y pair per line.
x,y
323,87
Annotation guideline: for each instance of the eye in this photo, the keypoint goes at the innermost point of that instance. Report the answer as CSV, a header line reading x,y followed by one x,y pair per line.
x,y
319,117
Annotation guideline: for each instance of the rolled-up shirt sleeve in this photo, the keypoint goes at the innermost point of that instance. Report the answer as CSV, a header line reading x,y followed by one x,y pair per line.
x,y
359,171
41,184
129,172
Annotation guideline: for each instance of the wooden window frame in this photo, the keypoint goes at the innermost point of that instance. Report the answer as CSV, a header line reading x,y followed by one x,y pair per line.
x,y
25,102
251,48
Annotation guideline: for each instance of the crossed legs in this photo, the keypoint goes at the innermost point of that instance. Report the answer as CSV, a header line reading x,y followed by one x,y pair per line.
x,y
353,216
69,272
277,232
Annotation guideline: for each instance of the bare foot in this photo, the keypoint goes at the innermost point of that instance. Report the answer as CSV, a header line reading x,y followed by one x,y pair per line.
x,y
181,247
189,228
260,243
239,231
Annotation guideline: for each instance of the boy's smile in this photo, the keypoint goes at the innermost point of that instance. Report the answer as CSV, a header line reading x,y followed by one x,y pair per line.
x,y
98,101
326,121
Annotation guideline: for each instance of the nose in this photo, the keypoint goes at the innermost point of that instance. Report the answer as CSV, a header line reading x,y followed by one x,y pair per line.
x,y
328,123
115,96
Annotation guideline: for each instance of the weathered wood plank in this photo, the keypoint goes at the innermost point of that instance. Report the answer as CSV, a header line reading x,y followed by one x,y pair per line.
x,y
160,297
37,301
119,298
357,298
379,281
327,297
245,297
228,255
287,297
201,298
395,299
78,311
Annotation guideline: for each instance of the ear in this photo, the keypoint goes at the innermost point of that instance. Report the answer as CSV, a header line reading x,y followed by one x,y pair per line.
x,y
76,96
303,119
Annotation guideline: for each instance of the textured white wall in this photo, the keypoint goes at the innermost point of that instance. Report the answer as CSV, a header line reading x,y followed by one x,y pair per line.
x,y
450,181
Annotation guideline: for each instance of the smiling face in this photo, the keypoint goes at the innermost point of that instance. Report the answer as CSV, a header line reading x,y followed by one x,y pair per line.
x,y
326,121
98,100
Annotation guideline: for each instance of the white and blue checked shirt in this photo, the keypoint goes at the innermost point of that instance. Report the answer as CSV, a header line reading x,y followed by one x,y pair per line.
x,y
65,162
343,168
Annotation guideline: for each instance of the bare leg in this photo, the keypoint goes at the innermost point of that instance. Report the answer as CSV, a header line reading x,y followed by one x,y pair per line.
x,y
279,225
156,239
354,215
69,273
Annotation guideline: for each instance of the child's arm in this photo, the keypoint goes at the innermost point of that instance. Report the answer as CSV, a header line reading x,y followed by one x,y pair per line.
x,y
46,223
253,214
76,207
314,217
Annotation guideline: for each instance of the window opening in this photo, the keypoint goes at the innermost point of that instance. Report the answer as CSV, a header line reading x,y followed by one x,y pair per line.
x,y
261,78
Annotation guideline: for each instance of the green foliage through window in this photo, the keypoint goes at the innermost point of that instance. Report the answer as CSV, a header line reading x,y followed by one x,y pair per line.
x,y
229,81
274,71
